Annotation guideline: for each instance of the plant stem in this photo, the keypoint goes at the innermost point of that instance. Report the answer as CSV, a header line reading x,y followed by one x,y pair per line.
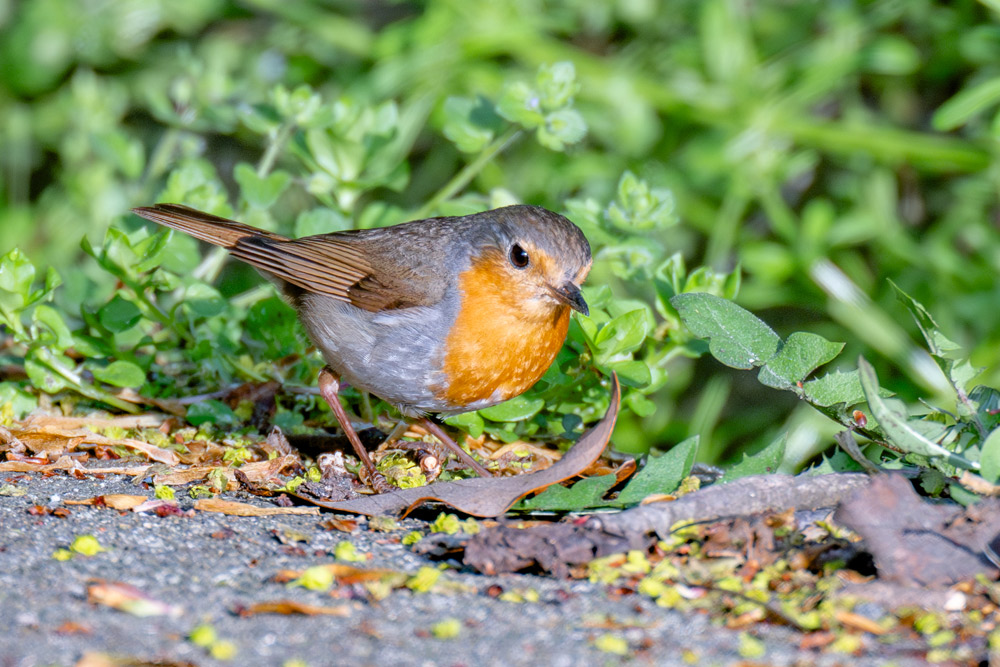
x,y
154,312
274,146
161,156
50,362
469,172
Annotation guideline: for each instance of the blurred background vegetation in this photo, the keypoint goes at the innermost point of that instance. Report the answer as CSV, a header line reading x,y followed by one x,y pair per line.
x,y
793,155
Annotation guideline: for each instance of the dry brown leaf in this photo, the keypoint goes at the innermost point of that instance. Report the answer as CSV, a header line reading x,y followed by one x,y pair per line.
x,y
52,446
148,420
262,471
532,450
491,496
162,507
293,607
917,543
63,463
130,599
257,471
181,477
115,501
234,508
858,622
83,436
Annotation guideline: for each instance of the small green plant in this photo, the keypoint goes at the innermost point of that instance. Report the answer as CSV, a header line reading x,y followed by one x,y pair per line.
x,y
941,442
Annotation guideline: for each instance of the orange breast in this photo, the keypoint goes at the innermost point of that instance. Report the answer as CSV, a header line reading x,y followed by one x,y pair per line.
x,y
498,346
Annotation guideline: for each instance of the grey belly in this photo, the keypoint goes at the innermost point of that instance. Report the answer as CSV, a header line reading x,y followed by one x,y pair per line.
x,y
396,355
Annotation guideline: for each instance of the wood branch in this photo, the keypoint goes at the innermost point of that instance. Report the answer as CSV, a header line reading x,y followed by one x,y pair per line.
x,y
749,495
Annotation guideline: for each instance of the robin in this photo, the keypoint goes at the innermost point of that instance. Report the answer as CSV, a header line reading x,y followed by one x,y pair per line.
x,y
443,315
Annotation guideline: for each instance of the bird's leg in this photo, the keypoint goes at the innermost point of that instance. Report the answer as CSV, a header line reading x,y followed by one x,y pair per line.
x,y
329,387
464,456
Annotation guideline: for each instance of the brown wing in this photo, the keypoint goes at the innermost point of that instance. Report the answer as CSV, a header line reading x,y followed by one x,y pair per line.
x,y
202,226
339,265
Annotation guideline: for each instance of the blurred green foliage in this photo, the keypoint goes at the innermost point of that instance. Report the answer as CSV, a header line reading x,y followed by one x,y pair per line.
x,y
797,155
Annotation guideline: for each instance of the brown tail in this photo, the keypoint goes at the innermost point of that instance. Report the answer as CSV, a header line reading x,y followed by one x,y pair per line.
x,y
203,226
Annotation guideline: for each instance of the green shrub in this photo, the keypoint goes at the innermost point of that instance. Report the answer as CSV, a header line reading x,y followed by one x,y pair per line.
x,y
797,155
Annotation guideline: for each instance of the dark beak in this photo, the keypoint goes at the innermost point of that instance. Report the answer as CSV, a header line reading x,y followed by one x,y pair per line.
x,y
570,294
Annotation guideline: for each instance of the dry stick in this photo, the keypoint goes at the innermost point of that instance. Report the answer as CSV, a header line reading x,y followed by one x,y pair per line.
x,y
749,495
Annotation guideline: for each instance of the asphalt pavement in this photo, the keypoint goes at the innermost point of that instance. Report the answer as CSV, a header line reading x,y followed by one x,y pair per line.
x,y
207,567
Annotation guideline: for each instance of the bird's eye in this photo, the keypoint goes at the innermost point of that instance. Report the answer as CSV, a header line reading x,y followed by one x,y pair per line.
x,y
518,256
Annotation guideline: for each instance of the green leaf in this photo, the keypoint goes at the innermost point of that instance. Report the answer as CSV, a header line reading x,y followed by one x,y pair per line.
x,y
470,422
835,389
260,192
632,373
561,128
661,474
586,493
121,374
515,410
938,344
895,422
737,338
271,326
41,376
639,404
211,411
203,300
17,400
16,275
989,457
763,462
623,334
967,103
470,123
798,356
320,221
119,314
519,104
50,318
151,251
557,84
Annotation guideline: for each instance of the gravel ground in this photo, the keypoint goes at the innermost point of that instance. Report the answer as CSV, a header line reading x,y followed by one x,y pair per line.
x,y
194,562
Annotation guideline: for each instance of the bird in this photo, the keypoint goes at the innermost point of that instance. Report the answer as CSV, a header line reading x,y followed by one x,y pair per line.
x,y
442,315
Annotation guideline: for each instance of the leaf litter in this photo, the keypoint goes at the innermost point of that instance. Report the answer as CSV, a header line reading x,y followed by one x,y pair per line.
x,y
769,562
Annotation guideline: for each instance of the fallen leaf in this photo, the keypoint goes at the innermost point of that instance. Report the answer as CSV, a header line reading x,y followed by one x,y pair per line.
x,y
491,496
918,544
344,573
292,607
343,525
63,463
48,436
129,599
148,420
858,622
162,506
115,501
73,628
553,547
255,472
234,508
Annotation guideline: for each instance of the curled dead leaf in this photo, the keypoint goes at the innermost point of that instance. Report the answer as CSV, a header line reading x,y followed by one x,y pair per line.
x,y
489,497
